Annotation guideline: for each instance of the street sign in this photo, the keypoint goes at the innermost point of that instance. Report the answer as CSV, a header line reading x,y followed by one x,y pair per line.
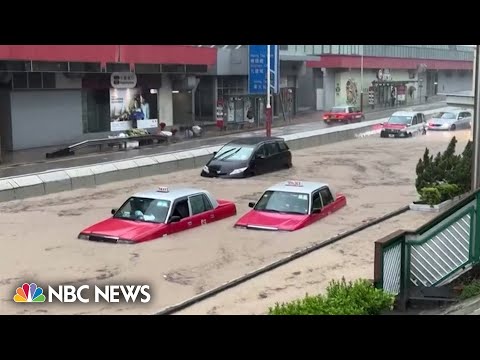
x,y
257,68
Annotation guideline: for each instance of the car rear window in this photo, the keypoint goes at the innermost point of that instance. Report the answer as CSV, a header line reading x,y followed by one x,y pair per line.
x,y
338,110
282,145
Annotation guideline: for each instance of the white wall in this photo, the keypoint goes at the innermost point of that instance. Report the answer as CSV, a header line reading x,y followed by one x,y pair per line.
x,y
341,78
45,118
453,81
165,101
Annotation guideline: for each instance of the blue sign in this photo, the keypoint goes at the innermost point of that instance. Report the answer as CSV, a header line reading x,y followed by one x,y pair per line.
x,y
257,69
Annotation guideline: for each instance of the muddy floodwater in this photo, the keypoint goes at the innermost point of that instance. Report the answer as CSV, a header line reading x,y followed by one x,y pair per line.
x,y
39,235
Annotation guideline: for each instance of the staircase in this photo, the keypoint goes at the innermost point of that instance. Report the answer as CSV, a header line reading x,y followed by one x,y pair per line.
x,y
416,265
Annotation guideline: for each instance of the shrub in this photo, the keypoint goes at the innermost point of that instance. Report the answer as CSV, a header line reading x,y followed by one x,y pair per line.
x,y
470,290
450,174
342,298
430,195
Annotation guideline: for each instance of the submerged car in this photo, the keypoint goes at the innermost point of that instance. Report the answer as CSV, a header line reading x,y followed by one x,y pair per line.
x,y
451,120
403,124
249,156
291,206
345,114
153,214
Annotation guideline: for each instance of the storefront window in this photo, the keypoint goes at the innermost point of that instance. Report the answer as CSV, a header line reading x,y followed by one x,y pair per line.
x,y
96,110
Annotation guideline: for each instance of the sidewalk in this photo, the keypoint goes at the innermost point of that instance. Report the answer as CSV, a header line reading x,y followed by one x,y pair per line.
x,y
33,161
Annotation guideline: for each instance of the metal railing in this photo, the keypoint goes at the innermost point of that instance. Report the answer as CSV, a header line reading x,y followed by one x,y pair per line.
x,y
433,255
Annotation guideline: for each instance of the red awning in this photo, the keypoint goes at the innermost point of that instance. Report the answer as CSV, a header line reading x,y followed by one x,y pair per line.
x,y
131,54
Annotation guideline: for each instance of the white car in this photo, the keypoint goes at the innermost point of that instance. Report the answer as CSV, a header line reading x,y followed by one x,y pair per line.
x,y
404,124
451,120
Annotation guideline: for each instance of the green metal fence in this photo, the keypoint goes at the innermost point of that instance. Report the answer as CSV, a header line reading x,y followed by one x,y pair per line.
x,y
432,255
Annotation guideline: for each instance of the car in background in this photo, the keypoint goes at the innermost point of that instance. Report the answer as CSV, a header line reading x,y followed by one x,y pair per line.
x,y
291,205
344,114
153,214
403,124
249,156
451,120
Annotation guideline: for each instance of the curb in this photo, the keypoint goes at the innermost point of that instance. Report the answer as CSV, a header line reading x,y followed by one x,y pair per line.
x,y
296,255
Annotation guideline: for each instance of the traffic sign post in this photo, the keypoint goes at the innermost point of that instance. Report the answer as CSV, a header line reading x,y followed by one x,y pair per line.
x,y
264,76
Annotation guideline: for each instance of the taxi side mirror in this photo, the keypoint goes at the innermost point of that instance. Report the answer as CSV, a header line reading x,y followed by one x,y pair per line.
x,y
113,211
251,204
175,219
215,153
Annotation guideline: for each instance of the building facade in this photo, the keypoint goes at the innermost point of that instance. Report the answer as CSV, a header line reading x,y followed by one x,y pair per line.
x,y
412,72
58,95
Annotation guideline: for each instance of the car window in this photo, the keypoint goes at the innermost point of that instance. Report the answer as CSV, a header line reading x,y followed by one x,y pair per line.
x,y
283,202
198,204
143,209
282,145
415,120
233,152
327,197
467,114
181,209
271,149
261,151
316,201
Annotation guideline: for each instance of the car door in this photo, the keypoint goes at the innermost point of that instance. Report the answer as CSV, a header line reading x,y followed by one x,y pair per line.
x,y
180,208
356,114
327,201
316,205
274,157
468,119
201,210
259,161
285,154
463,119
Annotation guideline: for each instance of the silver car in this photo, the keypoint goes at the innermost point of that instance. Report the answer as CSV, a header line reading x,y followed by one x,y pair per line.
x,y
451,120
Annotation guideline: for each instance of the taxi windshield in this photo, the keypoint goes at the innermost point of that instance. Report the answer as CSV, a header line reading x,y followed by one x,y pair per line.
x,y
144,209
400,120
234,152
283,202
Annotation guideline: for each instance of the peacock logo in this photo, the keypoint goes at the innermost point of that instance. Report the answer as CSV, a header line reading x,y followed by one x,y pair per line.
x,y
29,293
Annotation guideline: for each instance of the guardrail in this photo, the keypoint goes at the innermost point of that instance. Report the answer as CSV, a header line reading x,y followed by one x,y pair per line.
x,y
431,256
53,181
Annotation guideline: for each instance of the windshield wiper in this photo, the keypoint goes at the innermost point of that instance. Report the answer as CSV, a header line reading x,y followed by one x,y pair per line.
x,y
225,152
230,155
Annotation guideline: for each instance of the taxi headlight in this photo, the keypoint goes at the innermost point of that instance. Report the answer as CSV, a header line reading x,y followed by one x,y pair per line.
x,y
205,168
84,236
238,171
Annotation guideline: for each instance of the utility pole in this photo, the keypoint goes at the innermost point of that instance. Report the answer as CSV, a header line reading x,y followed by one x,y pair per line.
x,y
476,123
269,115
361,78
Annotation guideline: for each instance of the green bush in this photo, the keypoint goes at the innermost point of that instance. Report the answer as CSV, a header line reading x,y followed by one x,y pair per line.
x,y
431,196
342,298
448,191
471,290
450,174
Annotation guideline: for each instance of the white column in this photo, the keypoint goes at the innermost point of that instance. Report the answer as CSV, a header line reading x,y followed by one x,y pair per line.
x,y
165,102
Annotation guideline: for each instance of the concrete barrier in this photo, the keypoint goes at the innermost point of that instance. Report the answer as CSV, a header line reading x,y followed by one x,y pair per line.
x,y
54,181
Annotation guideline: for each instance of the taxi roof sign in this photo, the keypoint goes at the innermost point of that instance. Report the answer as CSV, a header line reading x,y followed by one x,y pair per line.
x,y
294,183
163,189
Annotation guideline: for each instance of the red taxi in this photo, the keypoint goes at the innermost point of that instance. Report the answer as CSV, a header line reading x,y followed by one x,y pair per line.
x,y
291,206
153,214
345,114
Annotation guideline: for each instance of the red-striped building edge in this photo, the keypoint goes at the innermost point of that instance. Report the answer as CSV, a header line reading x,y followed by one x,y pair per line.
x,y
371,62
128,54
